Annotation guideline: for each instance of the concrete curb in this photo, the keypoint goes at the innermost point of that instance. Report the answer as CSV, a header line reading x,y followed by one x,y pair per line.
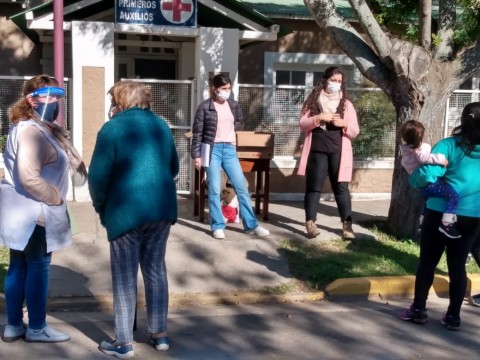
x,y
382,287
393,286
105,302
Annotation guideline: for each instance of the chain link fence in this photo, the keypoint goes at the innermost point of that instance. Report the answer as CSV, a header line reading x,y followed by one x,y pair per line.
x,y
266,108
277,109
173,101
455,105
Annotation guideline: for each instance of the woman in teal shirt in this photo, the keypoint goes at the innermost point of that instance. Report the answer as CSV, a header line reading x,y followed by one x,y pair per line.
x,y
463,153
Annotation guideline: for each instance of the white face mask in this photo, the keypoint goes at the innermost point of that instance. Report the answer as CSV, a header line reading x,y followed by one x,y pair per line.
x,y
224,95
333,87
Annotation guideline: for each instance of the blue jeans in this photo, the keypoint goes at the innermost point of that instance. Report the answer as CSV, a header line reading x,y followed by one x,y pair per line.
x,y
145,246
27,279
224,155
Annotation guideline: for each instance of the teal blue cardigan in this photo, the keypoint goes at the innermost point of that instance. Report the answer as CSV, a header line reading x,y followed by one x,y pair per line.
x,y
131,175
462,173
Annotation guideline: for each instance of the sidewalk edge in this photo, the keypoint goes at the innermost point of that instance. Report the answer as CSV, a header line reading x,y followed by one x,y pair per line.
x,y
105,302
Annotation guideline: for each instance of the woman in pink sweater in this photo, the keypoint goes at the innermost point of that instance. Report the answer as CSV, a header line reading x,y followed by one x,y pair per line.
x,y
329,121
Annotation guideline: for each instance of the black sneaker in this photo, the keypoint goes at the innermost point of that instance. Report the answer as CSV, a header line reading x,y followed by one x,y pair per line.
x,y
451,322
450,230
418,316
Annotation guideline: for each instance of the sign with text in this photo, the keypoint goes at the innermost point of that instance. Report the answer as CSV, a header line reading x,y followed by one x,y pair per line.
x,y
156,12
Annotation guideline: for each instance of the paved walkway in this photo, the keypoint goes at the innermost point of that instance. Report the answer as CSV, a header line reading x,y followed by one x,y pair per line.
x,y
197,263
204,270
356,329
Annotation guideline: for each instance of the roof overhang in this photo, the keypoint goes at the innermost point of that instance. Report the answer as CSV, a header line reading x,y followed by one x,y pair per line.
x,y
253,25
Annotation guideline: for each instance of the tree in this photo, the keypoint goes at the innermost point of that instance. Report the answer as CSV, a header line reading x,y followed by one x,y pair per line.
x,y
417,63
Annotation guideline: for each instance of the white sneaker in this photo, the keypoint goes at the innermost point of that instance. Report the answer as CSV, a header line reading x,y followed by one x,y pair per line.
x,y
47,334
219,234
259,231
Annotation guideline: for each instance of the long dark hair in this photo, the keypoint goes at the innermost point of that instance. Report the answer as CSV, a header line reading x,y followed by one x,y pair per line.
x,y
468,132
311,103
217,81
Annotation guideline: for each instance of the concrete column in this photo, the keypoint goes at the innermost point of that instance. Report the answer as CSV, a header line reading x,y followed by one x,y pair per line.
x,y
93,75
217,50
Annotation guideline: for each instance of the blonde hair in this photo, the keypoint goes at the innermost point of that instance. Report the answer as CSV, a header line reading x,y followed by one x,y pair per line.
x,y
22,110
128,93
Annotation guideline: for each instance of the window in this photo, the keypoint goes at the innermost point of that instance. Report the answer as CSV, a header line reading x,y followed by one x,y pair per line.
x,y
287,77
305,69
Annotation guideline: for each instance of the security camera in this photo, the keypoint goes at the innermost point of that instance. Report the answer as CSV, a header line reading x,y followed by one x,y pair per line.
x,y
275,28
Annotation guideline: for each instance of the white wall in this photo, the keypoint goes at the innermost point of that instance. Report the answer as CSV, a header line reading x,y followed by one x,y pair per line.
x,y
217,50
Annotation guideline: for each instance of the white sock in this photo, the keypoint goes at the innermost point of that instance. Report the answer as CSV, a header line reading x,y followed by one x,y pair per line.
x,y
449,218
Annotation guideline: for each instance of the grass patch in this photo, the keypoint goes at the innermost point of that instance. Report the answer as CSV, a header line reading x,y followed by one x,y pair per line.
x,y
282,289
319,263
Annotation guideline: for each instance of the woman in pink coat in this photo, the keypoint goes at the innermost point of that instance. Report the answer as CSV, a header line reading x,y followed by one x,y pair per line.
x,y
330,123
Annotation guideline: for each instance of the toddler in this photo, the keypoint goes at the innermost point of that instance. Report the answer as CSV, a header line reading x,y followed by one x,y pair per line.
x,y
416,153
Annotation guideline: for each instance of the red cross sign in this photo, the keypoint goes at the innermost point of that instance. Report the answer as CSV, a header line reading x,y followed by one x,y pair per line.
x,y
176,11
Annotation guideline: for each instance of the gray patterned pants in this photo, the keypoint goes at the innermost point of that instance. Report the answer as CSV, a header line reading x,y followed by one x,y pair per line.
x,y
144,246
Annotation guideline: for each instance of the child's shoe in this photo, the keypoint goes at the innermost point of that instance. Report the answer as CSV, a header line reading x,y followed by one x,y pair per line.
x,y
450,230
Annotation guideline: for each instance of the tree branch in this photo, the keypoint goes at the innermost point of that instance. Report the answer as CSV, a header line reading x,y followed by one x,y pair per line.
x,y
469,61
380,40
446,26
350,41
426,24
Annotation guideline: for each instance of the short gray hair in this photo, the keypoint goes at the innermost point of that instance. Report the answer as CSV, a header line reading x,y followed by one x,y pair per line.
x,y
128,93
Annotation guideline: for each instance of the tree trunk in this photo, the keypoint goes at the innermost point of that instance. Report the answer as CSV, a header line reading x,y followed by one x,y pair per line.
x,y
405,206
406,202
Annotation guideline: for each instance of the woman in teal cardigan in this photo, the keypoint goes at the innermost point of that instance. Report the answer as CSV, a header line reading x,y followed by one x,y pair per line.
x,y
133,190
463,153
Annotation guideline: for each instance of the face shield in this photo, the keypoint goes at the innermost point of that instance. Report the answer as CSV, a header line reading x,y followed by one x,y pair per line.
x,y
46,102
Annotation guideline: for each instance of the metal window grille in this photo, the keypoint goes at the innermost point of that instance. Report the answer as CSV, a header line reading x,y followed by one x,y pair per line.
x,y
455,105
172,100
277,109
266,108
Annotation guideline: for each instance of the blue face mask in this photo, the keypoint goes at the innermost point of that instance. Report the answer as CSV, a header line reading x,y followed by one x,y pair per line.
x,y
48,111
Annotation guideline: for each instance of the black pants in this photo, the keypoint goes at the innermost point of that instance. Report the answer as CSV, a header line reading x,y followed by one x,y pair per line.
x,y
433,244
476,250
320,164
